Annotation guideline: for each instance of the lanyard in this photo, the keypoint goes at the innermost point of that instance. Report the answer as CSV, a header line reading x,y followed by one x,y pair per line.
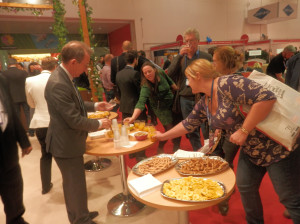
x,y
209,117
211,102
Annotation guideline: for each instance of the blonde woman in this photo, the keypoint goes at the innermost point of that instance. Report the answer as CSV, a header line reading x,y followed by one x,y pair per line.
x,y
258,153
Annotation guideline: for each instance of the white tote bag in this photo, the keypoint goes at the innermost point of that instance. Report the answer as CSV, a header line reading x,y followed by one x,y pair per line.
x,y
283,123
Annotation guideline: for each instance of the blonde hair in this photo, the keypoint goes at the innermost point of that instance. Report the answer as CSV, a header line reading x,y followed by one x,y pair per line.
x,y
204,67
231,58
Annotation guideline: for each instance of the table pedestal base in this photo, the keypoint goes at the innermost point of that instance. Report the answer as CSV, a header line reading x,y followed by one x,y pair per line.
x,y
124,205
183,217
98,164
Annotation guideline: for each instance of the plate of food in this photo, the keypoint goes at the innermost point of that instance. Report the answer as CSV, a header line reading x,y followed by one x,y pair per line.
x,y
154,164
99,115
201,166
193,189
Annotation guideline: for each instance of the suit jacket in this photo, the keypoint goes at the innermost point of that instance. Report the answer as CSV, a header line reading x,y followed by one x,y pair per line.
x,y
13,133
16,81
117,64
293,72
128,81
35,88
69,125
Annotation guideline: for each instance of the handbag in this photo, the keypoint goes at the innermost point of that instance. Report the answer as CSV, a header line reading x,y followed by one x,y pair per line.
x,y
283,122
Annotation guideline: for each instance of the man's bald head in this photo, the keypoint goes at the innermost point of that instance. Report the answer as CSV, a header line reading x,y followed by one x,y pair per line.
x,y
127,46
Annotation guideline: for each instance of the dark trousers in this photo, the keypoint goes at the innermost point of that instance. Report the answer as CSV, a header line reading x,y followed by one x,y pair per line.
x,y
74,187
187,106
46,159
285,177
11,192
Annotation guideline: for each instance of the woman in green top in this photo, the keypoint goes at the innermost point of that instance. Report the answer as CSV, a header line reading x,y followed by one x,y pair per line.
x,y
157,87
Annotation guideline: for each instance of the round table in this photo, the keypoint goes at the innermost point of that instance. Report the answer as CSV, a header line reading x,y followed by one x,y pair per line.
x,y
122,204
99,164
156,200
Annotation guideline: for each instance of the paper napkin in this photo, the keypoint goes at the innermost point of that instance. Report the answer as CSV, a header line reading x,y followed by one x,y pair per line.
x,y
145,185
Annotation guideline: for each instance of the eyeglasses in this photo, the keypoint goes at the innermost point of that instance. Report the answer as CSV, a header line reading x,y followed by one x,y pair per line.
x,y
190,40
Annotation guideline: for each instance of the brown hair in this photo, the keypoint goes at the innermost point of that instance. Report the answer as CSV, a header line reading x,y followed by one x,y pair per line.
x,y
49,63
231,58
153,88
75,50
203,67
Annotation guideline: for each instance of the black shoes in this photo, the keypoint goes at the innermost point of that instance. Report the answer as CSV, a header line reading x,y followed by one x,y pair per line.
x,y
93,214
46,191
223,207
286,214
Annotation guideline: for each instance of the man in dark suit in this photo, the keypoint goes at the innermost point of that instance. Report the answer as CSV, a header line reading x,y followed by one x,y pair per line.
x,y
118,63
11,132
16,82
128,81
69,126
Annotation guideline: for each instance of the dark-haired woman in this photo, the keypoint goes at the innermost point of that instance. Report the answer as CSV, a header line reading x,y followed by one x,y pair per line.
x,y
157,87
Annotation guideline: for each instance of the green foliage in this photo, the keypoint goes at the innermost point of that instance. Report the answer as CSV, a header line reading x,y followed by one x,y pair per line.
x,y
93,73
34,11
59,28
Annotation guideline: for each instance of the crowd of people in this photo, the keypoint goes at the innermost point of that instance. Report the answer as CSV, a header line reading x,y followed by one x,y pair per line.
x,y
193,92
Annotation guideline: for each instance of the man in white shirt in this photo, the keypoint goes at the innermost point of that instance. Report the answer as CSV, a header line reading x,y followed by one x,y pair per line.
x,y
35,88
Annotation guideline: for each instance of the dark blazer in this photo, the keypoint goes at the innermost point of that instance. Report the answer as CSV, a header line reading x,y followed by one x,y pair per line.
x,y
128,81
117,64
293,72
69,125
16,81
13,133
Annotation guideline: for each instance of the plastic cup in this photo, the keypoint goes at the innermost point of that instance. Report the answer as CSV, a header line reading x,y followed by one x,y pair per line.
x,y
142,125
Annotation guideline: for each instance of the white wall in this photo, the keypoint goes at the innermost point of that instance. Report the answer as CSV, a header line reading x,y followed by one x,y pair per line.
x,y
160,21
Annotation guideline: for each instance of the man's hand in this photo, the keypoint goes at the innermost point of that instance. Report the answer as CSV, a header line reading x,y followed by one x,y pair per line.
x,y
185,50
279,77
104,106
26,151
106,123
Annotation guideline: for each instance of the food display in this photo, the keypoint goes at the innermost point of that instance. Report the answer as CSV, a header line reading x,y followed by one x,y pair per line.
x,y
155,164
202,166
193,189
141,135
99,115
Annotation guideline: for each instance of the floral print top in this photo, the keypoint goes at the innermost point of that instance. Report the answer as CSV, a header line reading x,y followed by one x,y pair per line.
x,y
234,90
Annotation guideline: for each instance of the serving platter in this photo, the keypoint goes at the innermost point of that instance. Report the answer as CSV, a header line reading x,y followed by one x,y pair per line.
x,y
184,193
155,170
98,114
202,166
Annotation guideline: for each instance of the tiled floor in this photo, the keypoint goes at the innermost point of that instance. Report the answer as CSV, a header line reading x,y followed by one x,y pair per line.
x,y
102,186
